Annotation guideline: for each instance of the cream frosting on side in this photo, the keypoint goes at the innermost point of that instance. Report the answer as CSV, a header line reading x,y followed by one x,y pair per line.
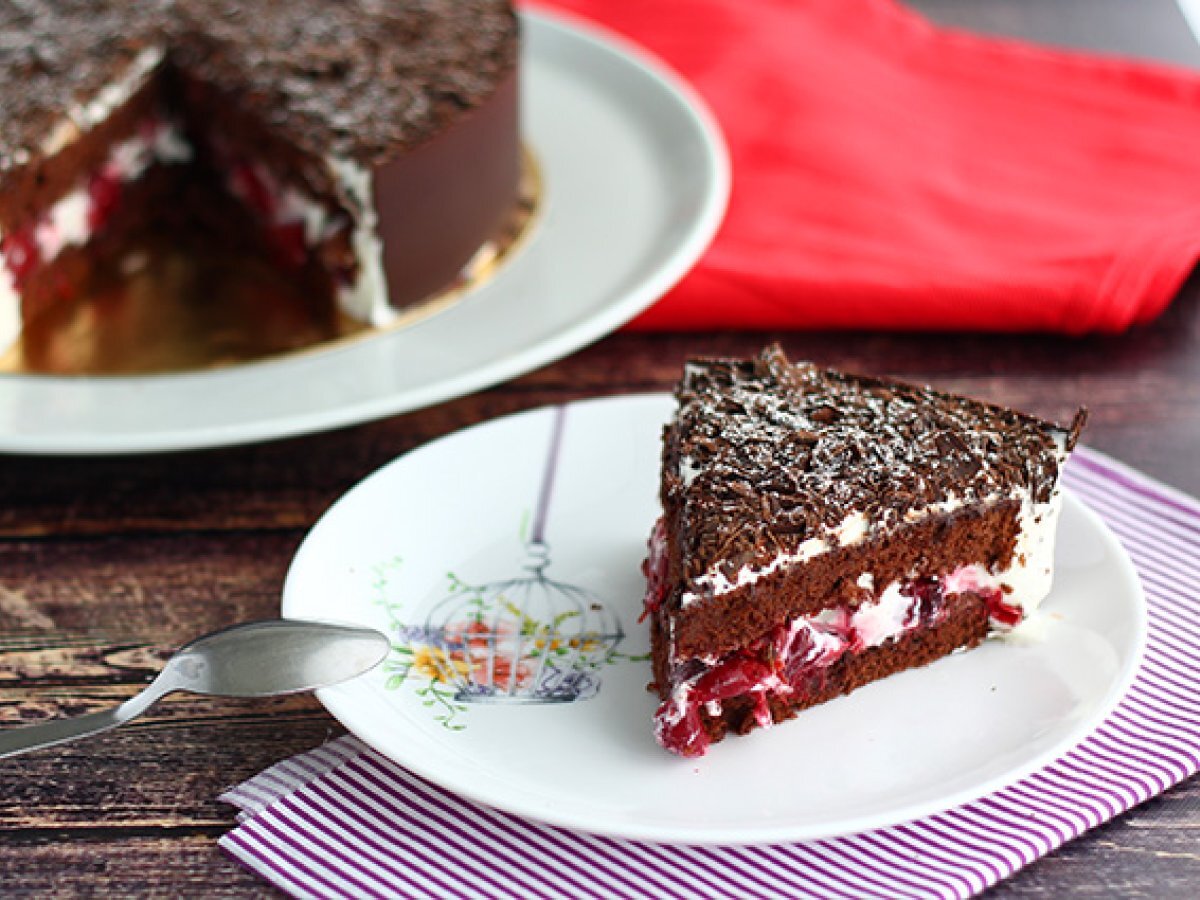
x,y
1032,573
367,298
10,310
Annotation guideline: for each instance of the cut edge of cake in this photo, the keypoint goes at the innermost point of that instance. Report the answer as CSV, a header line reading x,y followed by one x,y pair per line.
x,y
824,530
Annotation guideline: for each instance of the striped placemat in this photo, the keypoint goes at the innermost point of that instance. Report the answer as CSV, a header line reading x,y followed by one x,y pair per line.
x,y
344,821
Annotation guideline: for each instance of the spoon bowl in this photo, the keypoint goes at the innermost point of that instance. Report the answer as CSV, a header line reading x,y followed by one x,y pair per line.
x,y
266,659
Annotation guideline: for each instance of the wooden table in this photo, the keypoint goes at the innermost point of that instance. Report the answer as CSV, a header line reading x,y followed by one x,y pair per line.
x,y
106,564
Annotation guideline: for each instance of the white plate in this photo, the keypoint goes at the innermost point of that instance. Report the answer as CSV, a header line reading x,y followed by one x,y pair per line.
x,y
910,745
636,180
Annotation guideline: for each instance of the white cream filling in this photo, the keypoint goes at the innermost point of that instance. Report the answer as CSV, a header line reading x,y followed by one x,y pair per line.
x,y
365,299
887,617
714,583
288,205
65,223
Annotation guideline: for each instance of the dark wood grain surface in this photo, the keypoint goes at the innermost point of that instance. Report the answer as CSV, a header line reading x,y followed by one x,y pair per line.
x,y
106,564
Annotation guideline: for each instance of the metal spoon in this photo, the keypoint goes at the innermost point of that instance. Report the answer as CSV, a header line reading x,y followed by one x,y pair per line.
x,y
258,659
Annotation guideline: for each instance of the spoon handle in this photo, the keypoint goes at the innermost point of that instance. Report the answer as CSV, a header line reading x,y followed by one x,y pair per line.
x,y
14,741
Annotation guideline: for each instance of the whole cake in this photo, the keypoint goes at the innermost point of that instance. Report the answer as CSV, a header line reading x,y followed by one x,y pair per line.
x,y
823,530
369,148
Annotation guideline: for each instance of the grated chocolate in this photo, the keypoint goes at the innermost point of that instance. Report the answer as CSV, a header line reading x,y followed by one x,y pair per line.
x,y
765,454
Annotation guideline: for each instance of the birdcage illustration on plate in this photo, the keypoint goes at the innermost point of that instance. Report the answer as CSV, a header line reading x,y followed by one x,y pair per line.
x,y
526,639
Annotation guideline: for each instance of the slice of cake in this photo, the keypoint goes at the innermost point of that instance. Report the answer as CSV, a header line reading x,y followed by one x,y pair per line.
x,y
368,149
823,530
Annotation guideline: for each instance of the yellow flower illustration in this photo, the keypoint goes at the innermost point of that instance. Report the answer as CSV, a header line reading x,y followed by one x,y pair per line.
x,y
588,644
434,663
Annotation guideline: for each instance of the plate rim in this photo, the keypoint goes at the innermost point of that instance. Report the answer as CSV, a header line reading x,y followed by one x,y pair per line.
x,y
333,699
662,276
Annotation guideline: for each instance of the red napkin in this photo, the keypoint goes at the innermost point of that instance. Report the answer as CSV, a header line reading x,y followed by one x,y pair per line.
x,y
892,174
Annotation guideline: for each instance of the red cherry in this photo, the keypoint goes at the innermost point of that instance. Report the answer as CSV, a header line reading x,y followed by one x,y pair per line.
x,y
762,710
104,191
21,254
249,185
929,597
686,735
289,245
654,567
1000,612
736,676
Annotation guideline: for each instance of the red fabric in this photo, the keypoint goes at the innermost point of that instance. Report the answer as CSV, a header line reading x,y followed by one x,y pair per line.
x,y
891,174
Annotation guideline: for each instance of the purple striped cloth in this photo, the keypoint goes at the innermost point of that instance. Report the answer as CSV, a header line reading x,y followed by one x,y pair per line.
x,y
344,821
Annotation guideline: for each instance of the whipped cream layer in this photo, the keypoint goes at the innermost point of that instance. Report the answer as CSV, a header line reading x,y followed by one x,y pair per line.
x,y
366,297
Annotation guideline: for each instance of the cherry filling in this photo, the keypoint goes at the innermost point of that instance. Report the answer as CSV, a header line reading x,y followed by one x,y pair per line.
x,y
793,661
1000,612
249,184
928,596
104,193
655,569
284,213
255,187
21,254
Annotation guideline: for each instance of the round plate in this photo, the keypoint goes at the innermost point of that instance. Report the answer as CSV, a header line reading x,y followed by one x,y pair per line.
x,y
636,180
451,524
